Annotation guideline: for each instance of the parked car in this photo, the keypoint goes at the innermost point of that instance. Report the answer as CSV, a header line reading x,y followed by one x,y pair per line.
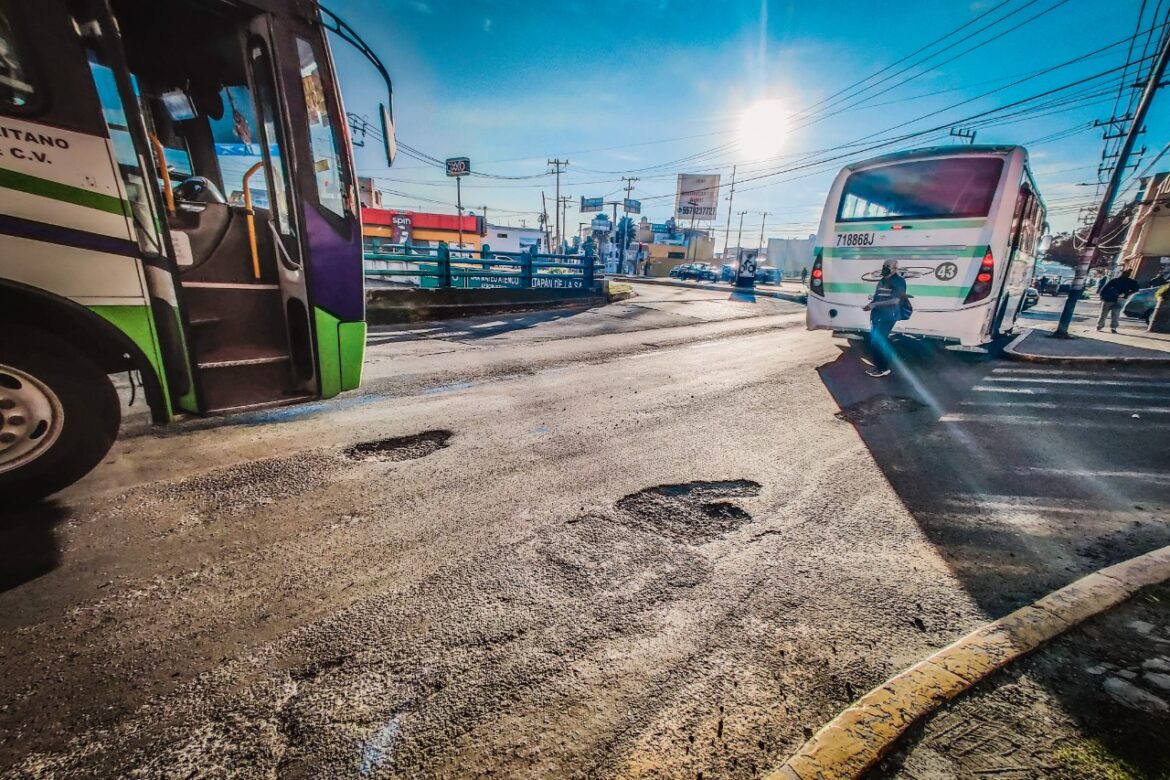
x,y
1031,298
703,272
768,274
678,269
1141,304
727,272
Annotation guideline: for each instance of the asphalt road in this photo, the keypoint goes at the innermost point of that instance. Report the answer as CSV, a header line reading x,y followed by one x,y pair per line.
x,y
662,538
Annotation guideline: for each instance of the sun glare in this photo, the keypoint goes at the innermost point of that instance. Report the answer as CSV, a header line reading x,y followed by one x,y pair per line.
x,y
762,129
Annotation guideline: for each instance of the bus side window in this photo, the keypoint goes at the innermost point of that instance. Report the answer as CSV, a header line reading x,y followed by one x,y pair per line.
x,y
18,93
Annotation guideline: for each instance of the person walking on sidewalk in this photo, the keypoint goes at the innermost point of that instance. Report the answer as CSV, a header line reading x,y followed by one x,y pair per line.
x,y
1113,294
885,309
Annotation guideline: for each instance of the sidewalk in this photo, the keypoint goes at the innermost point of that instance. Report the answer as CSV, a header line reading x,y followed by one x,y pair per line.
x,y
1093,704
1131,345
785,291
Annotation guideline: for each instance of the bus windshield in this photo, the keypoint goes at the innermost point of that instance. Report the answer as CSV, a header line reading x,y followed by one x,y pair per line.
x,y
921,189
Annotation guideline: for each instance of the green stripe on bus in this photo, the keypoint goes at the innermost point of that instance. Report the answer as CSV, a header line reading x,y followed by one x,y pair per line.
x,y
34,185
916,291
863,252
936,224
137,322
351,336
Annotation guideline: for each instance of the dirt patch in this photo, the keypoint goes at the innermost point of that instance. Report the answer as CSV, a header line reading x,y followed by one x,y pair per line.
x,y
869,410
399,448
691,511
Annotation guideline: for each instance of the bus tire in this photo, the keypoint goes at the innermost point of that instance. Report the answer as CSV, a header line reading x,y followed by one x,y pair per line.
x,y
59,415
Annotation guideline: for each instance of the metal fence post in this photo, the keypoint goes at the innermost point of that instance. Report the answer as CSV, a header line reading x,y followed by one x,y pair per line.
x,y
444,264
587,267
526,268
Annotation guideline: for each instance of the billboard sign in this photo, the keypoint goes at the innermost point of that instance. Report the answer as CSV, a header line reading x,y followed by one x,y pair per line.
x,y
592,204
697,196
632,206
458,166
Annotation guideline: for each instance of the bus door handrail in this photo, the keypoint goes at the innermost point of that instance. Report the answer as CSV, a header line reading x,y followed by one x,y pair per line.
x,y
250,217
161,157
286,258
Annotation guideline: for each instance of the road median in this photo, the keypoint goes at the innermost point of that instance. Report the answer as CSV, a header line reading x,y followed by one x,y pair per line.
x,y
782,295
1038,346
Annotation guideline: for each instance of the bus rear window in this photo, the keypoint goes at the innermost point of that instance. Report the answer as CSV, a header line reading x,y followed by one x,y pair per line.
x,y
16,88
921,189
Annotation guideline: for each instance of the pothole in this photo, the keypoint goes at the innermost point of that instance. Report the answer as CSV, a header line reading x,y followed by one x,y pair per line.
x,y
869,410
417,445
691,511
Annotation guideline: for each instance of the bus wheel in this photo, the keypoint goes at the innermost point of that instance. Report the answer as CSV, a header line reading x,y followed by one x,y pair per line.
x,y
59,415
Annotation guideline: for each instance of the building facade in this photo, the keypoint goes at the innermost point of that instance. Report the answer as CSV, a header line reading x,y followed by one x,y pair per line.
x,y
1146,251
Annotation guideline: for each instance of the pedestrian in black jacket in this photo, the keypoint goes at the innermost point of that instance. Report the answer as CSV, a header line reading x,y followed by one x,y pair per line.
x,y
1113,295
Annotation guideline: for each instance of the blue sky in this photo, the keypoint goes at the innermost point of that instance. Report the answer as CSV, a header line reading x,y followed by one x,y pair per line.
x,y
655,88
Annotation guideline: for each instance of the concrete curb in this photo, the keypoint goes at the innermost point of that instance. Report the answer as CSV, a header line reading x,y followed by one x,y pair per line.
x,y
1013,354
783,296
851,743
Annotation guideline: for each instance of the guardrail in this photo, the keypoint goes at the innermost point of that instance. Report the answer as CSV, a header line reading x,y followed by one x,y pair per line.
x,y
485,268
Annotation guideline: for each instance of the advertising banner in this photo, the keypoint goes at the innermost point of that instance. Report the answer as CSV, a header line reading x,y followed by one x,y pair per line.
x,y
697,197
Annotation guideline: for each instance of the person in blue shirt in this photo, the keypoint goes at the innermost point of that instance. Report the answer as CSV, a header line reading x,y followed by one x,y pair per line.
x,y
884,311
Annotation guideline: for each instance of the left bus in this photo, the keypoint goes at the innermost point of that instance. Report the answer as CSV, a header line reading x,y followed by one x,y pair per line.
x,y
177,199
965,224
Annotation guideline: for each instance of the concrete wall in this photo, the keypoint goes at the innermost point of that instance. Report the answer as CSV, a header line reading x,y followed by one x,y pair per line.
x,y
791,255
388,306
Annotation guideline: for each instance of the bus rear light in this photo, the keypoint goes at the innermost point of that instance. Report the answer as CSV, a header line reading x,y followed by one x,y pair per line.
x,y
816,282
817,273
982,287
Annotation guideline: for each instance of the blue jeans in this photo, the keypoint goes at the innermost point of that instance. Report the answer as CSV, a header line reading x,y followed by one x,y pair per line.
x,y
880,350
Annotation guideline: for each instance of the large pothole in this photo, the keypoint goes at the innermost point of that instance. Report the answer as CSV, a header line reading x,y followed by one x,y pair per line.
x,y
869,410
692,512
399,448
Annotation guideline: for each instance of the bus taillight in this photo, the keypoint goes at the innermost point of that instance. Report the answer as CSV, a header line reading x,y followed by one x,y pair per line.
x,y
816,281
982,287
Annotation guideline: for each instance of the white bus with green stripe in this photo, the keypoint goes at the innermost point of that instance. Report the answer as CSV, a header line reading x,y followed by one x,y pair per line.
x,y
964,223
177,201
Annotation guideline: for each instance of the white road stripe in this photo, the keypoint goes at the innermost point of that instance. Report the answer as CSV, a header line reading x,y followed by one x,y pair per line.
x,y
1085,372
1019,419
1145,476
1090,408
1105,395
1046,380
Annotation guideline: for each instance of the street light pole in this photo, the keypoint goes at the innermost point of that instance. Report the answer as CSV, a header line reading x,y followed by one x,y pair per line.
x,y
1089,250
459,207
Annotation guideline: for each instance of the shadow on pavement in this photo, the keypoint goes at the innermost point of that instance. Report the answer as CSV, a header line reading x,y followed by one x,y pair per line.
x,y
1019,497
28,543
1016,509
471,328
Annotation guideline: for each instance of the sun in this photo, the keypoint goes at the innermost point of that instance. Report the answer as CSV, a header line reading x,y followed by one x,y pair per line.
x,y
762,129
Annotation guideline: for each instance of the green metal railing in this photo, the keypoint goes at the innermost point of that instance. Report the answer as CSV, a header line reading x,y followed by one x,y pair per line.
x,y
485,268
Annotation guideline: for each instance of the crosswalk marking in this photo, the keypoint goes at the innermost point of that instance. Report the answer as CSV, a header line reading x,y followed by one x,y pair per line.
x,y
1020,419
1067,392
1063,381
1083,372
1054,405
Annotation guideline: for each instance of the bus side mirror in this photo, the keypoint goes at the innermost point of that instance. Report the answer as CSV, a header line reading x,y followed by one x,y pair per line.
x,y
388,134
1045,243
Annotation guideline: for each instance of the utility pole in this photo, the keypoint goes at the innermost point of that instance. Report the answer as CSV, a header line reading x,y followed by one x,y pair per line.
x,y
629,180
763,219
544,221
564,204
557,166
730,200
1089,251
738,240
